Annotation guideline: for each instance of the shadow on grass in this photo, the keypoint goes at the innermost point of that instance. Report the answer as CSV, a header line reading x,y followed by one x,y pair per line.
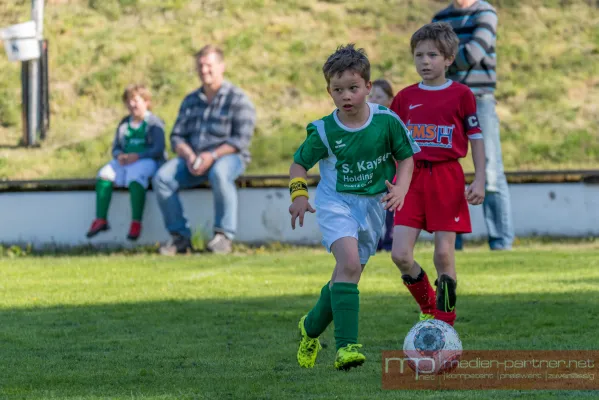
x,y
230,349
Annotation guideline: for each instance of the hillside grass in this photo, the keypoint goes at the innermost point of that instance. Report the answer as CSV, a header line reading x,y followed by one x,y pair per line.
x,y
548,53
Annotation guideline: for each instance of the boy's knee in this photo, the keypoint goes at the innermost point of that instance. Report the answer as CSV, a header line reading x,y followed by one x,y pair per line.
x,y
403,258
352,269
107,174
443,256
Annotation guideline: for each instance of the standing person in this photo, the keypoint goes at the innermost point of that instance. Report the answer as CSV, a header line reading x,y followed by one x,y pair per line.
x,y
475,23
382,93
441,116
137,150
211,137
357,147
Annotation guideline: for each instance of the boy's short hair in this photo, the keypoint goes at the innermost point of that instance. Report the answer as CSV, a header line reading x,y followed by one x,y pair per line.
x,y
347,58
442,34
137,89
385,86
208,49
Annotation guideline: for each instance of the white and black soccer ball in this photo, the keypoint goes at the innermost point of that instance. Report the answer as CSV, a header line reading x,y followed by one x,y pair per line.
x,y
433,347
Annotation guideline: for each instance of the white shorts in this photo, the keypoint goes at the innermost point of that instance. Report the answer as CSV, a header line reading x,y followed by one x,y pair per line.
x,y
141,171
349,215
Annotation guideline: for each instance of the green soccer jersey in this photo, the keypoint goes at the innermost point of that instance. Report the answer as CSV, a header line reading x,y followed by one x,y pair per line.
x,y
357,161
135,138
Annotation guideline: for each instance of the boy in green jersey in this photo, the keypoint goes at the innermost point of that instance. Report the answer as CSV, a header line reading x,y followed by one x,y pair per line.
x,y
357,147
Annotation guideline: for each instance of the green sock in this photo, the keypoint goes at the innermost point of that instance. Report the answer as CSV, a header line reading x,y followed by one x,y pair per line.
x,y
138,200
321,315
103,196
345,300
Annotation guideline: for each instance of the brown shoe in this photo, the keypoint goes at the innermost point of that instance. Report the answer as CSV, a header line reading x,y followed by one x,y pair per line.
x,y
176,245
220,244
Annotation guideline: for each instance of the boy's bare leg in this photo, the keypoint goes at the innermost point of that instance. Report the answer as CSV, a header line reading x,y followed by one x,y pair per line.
x,y
444,259
334,276
345,302
412,274
402,251
347,268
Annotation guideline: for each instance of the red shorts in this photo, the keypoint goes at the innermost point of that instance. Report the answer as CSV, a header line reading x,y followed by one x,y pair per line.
x,y
436,200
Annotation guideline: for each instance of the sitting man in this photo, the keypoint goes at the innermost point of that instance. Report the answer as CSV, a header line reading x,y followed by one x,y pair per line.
x,y
211,137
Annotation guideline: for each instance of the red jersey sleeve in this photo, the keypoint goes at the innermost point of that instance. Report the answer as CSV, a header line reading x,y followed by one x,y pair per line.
x,y
471,125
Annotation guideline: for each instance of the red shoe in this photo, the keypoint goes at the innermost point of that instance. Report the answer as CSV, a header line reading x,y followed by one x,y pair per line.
x,y
134,230
98,225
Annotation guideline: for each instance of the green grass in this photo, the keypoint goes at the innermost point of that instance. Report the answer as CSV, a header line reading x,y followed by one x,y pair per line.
x,y
548,86
219,327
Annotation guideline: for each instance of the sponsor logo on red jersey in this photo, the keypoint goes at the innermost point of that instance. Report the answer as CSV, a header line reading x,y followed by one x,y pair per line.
x,y
431,135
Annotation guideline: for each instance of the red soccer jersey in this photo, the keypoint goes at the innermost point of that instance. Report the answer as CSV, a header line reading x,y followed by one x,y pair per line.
x,y
440,119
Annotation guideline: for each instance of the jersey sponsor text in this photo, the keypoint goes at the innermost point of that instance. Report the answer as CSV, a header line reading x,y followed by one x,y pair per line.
x,y
431,135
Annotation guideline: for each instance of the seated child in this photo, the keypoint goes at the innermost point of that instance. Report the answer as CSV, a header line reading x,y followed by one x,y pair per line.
x,y
137,151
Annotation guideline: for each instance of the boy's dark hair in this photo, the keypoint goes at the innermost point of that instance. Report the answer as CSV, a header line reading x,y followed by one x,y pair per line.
x,y
344,59
442,34
385,86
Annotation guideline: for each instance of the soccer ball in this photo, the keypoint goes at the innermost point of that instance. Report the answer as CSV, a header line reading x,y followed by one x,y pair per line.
x,y
432,347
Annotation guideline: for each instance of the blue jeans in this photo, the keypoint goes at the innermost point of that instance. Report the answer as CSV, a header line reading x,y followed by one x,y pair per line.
x,y
496,207
174,175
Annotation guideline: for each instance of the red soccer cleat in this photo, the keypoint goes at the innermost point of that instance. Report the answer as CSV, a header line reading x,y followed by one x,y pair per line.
x,y
134,230
98,225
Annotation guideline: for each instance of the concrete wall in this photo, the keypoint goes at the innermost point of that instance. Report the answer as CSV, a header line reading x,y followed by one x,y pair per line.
x,y
62,218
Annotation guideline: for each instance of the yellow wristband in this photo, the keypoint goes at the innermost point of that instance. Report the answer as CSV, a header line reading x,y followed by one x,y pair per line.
x,y
299,193
298,187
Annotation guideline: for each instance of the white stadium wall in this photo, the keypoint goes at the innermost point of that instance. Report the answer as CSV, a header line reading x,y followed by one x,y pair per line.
x,y
62,218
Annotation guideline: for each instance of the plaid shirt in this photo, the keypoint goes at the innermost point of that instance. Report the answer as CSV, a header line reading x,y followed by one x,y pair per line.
x,y
230,118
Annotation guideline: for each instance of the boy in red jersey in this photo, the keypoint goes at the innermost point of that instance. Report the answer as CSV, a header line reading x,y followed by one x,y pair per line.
x,y
441,116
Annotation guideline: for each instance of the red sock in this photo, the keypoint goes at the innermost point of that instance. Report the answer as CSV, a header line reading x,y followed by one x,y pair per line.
x,y
422,291
444,316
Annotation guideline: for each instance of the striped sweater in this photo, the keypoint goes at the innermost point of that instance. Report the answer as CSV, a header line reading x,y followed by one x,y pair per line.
x,y
475,62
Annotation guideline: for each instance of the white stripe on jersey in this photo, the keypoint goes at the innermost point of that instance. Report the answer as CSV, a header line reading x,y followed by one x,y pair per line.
x,y
413,144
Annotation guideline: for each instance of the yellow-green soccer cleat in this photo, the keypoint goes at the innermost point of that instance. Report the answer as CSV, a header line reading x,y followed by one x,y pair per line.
x,y
308,347
426,317
349,357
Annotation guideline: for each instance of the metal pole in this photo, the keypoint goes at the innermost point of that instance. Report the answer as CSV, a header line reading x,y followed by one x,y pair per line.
x,y
37,15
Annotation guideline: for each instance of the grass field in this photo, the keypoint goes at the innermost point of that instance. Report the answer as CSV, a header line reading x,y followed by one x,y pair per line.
x,y
224,327
548,87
